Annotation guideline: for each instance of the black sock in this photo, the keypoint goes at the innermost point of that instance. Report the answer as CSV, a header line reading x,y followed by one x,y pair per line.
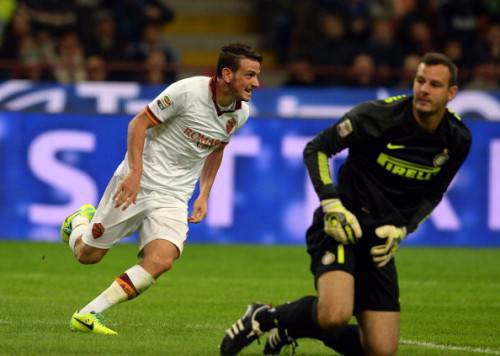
x,y
297,317
345,340
300,318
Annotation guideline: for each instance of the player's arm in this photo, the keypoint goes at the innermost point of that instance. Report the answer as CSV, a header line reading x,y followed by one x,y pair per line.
x,y
340,223
322,147
207,178
391,235
129,187
431,201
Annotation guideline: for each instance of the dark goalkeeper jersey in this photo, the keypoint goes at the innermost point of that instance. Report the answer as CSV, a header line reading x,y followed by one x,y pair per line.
x,y
396,172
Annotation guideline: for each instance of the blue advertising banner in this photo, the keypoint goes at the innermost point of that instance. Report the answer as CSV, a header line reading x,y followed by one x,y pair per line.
x,y
130,98
52,164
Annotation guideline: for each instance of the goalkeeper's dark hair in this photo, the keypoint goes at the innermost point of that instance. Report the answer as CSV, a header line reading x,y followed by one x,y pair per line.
x,y
433,58
231,55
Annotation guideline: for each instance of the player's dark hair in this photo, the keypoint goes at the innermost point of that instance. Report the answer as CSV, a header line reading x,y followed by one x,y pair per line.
x,y
433,58
231,55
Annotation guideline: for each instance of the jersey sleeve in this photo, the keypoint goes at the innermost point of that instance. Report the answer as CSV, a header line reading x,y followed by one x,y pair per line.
x,y
349,130
168,104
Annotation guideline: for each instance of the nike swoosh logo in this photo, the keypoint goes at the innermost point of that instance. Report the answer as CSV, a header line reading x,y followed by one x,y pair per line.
x,y
394,147
89,326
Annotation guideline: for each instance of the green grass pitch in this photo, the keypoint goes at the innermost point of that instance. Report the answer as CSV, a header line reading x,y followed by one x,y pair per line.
x,y
450,299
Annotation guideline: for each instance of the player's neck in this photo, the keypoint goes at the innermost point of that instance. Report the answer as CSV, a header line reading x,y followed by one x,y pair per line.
x,y
429,122
223,95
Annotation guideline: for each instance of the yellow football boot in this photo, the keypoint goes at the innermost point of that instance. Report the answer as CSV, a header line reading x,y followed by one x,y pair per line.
x,y
86,210
90,323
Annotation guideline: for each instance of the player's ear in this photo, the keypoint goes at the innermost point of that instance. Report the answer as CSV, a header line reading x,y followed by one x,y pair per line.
x,y
227,75
452,92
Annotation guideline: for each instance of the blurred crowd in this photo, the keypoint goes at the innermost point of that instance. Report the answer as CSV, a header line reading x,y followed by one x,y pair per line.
x,y
379,42
74,40
315,42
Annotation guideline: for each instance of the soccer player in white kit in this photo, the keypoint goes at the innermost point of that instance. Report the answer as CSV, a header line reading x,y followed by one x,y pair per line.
x,y
178,138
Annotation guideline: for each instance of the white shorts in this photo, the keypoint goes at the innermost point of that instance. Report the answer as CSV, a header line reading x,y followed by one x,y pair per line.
x,y
154,215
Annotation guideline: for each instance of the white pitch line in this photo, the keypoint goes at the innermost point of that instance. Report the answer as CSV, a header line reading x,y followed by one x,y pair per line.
x,y
478,350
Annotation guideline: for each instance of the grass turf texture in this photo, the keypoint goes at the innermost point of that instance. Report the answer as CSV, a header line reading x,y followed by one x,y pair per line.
x,y
450,298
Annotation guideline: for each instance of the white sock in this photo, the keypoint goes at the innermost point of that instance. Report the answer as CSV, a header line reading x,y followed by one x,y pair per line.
x,y
127,286
78,224
75,234
78,220
140,278
111,296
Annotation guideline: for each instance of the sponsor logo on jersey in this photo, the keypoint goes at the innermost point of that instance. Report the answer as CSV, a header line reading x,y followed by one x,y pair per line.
x,y
344,128
201,140
230,124
406,169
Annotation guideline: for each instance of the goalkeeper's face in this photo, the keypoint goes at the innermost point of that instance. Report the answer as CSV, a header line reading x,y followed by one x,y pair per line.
x,y
431,89
245,79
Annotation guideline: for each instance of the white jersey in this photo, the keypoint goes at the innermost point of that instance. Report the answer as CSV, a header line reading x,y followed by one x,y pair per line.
x,y
188,127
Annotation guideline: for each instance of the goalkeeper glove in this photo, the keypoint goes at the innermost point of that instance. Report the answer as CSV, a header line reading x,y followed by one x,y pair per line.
x,y
382,254
340,223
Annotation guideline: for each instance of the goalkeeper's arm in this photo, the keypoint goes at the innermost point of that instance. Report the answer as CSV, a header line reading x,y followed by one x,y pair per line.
x,y
316,156
339,222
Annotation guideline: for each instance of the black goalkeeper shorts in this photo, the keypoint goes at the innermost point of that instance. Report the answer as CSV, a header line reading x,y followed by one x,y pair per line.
x,y
375,288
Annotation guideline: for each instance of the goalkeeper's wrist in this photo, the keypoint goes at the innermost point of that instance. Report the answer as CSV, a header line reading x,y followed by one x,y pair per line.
x,y
328,191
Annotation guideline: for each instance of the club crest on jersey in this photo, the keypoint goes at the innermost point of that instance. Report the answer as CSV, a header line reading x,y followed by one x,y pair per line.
x,y
344,128
230,124
441,158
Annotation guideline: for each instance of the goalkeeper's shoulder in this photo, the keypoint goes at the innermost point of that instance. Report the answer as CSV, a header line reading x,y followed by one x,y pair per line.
x,y
373,118
459,129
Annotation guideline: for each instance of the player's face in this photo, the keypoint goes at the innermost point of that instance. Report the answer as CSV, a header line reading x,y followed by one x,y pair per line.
x,y
431,89
245,79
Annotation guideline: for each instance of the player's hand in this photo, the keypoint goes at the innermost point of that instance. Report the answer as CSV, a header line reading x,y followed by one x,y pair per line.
x,y
199,210
340,223
382,254
127,191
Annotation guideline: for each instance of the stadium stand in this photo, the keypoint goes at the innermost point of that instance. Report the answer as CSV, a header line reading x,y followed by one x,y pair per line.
x,y
305,43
